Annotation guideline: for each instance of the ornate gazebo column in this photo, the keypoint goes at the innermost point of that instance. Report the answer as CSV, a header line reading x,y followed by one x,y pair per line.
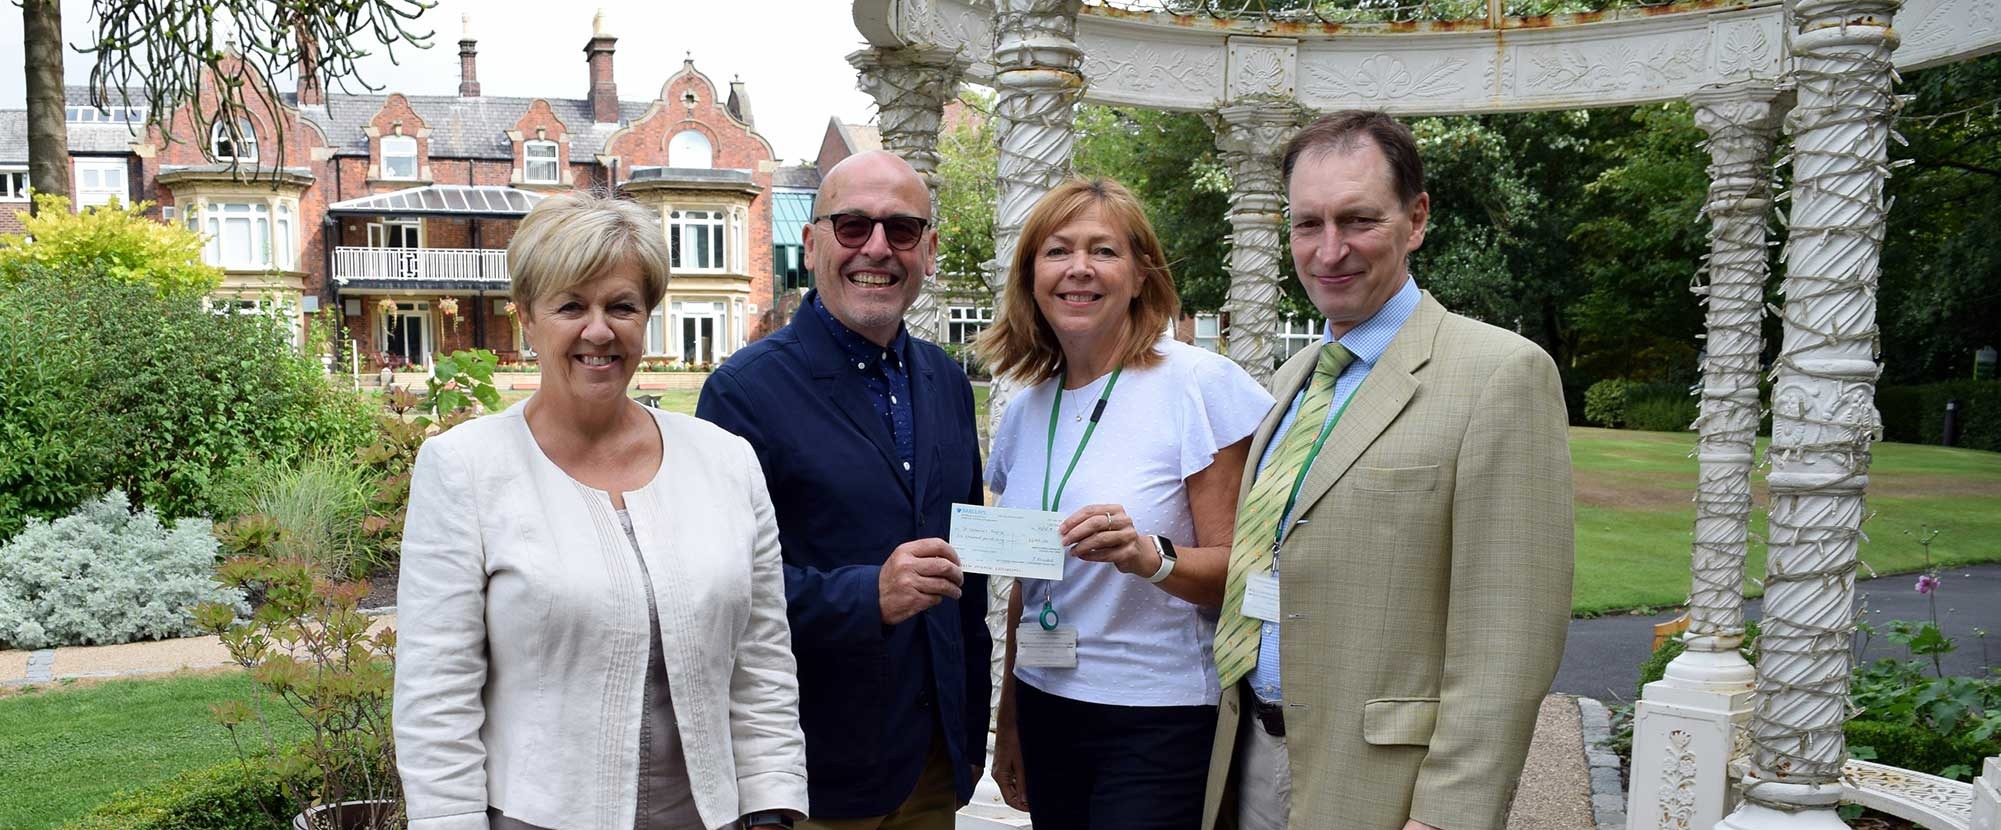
x,y
1823,410
911,86
1251,135
1686,723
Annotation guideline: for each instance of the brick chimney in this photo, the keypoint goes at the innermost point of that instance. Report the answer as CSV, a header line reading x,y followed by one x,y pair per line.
x,y
604,91
309,90
468,60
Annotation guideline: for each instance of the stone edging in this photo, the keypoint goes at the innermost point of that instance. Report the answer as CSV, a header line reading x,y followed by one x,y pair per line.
x,y
1608,796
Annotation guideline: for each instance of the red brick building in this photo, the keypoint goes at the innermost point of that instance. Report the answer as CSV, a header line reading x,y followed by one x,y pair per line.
x,y
397,209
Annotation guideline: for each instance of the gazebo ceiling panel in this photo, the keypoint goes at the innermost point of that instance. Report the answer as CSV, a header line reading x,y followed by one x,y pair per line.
x,y
1197,62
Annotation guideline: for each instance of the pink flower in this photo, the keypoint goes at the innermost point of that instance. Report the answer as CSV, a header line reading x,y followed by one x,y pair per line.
x,y
1927,583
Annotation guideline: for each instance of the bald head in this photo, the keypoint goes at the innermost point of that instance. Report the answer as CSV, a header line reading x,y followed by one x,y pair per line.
x,y
877,171
868,287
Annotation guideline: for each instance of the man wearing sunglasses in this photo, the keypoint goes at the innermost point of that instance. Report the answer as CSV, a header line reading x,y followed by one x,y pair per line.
x,y
866,436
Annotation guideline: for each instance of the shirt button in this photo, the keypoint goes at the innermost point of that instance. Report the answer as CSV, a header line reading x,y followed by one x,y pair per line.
x,y
906,466
892,399
861,365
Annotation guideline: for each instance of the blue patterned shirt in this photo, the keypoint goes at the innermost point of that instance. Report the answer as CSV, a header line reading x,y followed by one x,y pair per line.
x,y
884,374
1367,342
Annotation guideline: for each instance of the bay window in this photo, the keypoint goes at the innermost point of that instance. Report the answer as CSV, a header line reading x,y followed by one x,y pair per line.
x,y
696,241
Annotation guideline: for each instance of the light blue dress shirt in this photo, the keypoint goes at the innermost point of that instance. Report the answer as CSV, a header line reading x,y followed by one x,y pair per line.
x,y
1366,342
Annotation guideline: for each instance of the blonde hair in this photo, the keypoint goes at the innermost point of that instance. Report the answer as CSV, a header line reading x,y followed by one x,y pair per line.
x,y
572,238
1020,345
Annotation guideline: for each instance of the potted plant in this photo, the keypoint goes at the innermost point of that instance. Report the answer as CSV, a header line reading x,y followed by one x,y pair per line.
x,y
312,653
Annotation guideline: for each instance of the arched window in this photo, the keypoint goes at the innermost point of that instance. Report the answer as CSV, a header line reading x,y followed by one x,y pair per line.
x,y
242,147
399,157
689,149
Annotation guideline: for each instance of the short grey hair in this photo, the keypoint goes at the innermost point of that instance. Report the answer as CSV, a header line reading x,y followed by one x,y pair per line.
x,y
572,238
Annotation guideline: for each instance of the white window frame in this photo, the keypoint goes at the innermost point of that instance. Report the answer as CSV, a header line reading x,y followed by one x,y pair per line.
x,y
529,162
379,233
407,311
1295,333
13,184
252,219
95,194
219,140
963,323
388,170
657,344
86,114
1212,338
685,234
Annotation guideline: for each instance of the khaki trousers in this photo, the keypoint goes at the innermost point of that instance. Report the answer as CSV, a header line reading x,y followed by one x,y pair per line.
x,y
1264,776
933,805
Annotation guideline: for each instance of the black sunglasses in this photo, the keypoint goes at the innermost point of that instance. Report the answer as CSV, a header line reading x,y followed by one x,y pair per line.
x,y
853,230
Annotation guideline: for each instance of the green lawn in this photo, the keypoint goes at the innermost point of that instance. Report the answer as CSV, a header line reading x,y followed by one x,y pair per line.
x,y
1635,515
68,750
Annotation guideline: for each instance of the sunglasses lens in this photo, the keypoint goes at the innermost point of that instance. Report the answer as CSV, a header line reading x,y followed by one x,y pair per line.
x,y
902,232
852,231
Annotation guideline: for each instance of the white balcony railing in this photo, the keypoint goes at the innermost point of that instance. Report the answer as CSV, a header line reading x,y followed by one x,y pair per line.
x,y
421,264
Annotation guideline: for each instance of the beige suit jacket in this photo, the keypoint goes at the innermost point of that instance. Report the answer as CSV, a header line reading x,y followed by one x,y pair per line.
x,y
1425,585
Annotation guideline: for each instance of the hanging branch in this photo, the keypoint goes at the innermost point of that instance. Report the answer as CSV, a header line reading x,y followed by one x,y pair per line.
x,y
219,58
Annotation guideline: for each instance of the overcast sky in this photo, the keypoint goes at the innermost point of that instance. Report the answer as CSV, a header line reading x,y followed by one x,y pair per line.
x,y
791,53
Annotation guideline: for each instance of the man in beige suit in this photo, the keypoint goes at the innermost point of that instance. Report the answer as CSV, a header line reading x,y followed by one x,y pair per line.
x,y
1399,582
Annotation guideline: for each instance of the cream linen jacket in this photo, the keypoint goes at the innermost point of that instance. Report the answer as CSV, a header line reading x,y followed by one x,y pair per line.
x,y
1424,588
522,642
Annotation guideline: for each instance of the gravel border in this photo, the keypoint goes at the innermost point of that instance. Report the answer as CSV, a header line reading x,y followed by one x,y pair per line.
x,y
1608,795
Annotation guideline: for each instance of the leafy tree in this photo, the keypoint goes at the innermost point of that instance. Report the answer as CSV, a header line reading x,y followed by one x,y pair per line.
x,y
117,241
967,170
1941,278
1169,161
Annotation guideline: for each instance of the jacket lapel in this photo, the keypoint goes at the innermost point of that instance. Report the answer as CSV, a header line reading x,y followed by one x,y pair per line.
x,y
837,382
1381,397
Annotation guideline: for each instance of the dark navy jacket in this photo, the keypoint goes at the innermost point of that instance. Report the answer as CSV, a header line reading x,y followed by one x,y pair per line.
x,y
870,694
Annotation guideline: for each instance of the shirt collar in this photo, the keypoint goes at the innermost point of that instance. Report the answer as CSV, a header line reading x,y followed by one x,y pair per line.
x,y
1368,341
858,348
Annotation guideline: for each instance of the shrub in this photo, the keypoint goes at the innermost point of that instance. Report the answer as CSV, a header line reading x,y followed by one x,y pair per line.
x,y
1916,414
1918,748
107,384
320,507
106,575
1605,402
228,796
116,241
1661,408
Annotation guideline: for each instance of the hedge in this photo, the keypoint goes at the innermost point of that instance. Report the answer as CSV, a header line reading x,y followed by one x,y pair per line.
x,y
1916,414
226,796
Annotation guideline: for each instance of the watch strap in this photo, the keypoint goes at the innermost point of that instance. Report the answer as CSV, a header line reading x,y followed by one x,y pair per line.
x,y
766,817
1167,560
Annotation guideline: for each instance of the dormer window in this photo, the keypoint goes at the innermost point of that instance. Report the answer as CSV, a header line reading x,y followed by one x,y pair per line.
x,y
399,157
239,147
539,162
689,149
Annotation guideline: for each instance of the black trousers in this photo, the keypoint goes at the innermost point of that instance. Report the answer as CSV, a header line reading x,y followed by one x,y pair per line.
x,y
1093,766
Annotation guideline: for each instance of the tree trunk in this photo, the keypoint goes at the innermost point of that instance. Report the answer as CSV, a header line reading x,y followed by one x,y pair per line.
x,y
48,134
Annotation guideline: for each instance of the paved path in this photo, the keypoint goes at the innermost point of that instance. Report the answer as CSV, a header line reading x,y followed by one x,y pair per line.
x,y
1602,657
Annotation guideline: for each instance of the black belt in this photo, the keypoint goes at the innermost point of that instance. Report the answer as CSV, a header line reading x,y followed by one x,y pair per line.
x,y
1270,715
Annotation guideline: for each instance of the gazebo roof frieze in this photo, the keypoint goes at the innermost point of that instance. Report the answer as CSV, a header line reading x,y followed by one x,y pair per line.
x,y
1612,58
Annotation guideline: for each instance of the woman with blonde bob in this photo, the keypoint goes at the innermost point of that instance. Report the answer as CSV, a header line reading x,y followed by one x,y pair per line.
x,y
1108,705
593,630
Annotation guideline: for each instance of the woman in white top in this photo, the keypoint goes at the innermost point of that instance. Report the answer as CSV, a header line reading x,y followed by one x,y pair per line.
x,y
592,613
1108,707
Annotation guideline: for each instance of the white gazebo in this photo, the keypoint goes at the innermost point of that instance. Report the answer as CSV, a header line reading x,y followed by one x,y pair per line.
x,y
1717,744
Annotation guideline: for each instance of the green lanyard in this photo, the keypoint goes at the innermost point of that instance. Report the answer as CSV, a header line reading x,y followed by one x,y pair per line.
x,y
1300,480
1048,617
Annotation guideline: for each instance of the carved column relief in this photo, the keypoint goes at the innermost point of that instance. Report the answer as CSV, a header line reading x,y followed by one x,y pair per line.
x,y
1037,79
1823,407
1741,125
911,87
1251,136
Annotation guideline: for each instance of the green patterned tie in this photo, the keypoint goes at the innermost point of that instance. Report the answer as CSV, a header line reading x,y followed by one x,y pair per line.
x,y
1257,519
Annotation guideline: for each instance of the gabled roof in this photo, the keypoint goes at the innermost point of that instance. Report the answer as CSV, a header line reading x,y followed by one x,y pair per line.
x,y
450,199
802,176
466,127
